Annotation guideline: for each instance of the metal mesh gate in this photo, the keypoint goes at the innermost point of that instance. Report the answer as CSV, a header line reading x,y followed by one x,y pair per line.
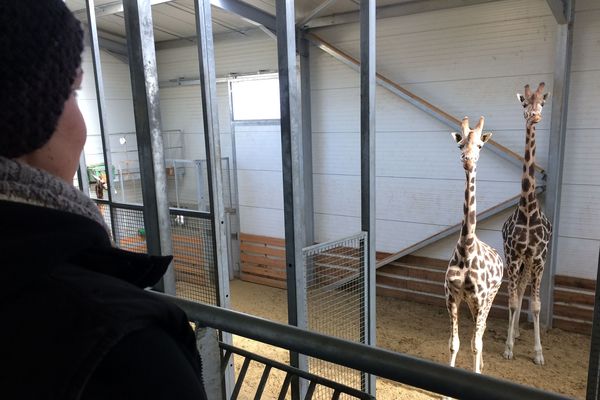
x,y
193,252
336,301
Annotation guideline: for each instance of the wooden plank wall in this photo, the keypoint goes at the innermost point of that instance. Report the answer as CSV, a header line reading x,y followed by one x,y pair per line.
x,y
573,304
421,279
263,260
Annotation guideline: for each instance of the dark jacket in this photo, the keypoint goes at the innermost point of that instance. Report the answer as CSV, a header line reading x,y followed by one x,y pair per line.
x,y
75,320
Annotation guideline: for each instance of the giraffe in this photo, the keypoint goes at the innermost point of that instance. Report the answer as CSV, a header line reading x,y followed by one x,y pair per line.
x,y
526,234
475,271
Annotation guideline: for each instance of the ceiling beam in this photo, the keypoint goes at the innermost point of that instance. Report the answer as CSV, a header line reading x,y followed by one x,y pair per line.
x,y
395,10
112,8
313,13
559,10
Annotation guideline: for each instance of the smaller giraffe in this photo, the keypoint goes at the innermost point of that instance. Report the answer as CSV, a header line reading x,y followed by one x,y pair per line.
x,y
475,271
526,234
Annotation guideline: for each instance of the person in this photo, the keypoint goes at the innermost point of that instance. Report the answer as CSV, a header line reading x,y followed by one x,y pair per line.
x,y
76,320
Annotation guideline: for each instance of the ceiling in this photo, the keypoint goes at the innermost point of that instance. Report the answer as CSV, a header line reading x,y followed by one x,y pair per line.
x,y
174,19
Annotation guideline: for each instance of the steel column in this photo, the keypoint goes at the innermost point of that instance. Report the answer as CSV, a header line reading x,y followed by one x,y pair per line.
x,y
367,157
593,380
556,152
293,186
304,52
101,104
146,107
212,143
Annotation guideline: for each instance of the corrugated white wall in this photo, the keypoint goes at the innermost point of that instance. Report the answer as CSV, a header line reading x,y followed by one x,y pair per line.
x,y
468,61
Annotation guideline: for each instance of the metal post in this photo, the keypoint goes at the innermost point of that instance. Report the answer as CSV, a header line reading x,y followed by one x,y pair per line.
x,y
556,151
304,52
212,143
367,156
84,184
101,104
593,381
235,203
146,107
293,186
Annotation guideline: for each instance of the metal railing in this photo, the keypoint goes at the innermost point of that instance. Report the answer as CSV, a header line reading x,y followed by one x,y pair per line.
x,y
398,367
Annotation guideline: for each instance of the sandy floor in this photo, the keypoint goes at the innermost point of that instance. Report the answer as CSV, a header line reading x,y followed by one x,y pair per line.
x,y
422,331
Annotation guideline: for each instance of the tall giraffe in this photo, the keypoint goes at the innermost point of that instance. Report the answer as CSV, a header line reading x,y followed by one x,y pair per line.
x,y
475,271
526,234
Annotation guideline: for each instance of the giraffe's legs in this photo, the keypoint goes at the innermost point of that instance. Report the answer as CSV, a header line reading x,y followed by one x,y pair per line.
x,y
522,285
477,341
536,281
454,343
513,307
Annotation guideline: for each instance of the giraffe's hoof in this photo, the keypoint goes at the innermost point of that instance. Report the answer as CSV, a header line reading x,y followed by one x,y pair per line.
x,y
539,358
508,354
517,333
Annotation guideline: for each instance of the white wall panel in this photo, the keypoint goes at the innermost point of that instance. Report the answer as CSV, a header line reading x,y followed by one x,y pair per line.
x,y
260,189
262,221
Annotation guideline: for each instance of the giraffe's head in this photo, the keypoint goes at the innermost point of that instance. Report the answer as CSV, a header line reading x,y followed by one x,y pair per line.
x,y
532,103
470,142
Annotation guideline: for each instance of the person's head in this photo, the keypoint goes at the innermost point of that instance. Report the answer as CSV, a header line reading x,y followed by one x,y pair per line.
x,y
40,68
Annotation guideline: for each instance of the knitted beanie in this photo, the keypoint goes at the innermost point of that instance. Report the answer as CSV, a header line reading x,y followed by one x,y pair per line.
x,y
40,51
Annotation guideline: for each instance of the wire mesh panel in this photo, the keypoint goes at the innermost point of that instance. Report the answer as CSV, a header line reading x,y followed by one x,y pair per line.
x,y
336,297
195,269
105,211
129,229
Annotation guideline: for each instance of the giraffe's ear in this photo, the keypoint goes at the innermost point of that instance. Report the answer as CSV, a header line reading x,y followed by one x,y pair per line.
x,y
457,136
486,136
546,95
520,97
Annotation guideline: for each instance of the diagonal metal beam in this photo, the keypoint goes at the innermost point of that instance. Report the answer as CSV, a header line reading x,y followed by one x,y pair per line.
x,y
112,8
423,105
248,12
395,10
316,11
559,10
486,214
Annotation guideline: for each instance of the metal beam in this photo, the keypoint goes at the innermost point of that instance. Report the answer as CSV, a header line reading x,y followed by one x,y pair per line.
x,y
367,168
418,102
293,185
112,8
556,155
313,13
94,42
146,107
396,10
593,380
212,144
559,9
486,214
304,53
247,11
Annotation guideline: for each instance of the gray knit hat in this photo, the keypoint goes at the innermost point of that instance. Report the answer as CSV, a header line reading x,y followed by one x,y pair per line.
x,y
40,51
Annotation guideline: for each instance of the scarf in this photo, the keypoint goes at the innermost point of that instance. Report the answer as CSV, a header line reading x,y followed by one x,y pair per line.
x,y
22,183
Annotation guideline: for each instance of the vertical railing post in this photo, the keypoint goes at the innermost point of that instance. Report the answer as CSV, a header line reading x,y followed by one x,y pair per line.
x,y
367,156
593,380
146,107
101,104
556,155
293,170
212,143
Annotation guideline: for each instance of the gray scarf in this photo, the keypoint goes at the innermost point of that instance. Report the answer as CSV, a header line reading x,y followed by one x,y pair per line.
x,y
21,183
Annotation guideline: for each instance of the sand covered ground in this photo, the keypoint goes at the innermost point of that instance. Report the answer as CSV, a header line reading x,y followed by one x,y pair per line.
x,y
422,331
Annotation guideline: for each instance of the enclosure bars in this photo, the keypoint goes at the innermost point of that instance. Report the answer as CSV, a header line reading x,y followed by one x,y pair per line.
x,y
292,171
593,382
398,367
367,169
100,103
146,105
556,154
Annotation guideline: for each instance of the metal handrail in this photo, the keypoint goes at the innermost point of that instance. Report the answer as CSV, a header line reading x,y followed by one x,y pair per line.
x,y
398,367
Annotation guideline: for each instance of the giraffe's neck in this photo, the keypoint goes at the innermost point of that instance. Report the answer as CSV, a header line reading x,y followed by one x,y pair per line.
x,y
467,233
528,200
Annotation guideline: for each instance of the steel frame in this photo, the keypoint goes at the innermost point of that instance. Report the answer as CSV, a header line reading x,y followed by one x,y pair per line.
x,y
556,155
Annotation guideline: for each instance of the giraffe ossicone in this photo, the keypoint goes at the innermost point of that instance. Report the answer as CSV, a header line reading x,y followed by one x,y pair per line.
x,y
474,273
